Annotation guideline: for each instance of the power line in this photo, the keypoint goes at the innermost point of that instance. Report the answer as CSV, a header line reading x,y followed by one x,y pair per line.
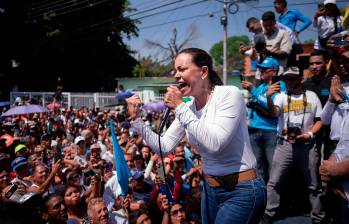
x,y
38,9
158,7
178,20
107,21
146,5
41,4
97,3
89,5
168,10
56,7
157,13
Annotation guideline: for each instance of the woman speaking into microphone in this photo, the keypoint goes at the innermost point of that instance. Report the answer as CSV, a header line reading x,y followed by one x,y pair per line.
x,y
214,123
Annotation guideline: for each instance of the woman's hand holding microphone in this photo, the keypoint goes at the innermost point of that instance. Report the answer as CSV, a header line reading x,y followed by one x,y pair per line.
x,y
173,97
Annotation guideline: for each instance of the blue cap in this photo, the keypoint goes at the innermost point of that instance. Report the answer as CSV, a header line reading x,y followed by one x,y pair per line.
x,y
136,174
18,162
269,62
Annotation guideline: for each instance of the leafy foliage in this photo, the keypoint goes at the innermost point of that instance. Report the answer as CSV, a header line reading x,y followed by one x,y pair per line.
x,y
147,67
80,41
235,58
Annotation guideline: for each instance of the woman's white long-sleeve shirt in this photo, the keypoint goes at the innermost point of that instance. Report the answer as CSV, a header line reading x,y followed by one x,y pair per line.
x,y
218,131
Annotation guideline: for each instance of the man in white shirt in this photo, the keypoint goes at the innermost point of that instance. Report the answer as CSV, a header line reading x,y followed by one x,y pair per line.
x,y
337,106
299,120
278,42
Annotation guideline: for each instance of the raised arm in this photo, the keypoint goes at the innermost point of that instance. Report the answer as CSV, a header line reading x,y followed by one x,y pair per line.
x,y
169,140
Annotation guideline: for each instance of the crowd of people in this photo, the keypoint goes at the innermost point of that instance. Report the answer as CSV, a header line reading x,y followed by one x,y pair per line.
x,y
296,119
218,160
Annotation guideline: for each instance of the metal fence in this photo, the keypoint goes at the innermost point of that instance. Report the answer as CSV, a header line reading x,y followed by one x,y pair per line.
x,y
89,100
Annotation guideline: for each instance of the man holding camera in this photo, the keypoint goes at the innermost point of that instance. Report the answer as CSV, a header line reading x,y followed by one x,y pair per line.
x,y
262,127
299,120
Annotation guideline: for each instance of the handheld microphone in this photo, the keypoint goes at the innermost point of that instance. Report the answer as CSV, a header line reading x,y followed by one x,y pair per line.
x,y
166,114
164,119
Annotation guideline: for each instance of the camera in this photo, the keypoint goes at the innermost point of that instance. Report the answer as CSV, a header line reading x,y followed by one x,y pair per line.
x,y
259,109
11,191
339,41
275,79
292,133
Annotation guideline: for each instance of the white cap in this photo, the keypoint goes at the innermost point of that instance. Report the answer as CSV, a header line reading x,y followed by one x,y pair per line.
x,y
53,143
18,99
78,139
329,2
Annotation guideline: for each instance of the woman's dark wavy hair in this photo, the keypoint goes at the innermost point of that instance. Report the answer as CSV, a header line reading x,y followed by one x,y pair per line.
x,y
202,58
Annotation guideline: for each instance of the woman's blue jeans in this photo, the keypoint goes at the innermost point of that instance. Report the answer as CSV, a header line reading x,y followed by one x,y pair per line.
x,y
242,203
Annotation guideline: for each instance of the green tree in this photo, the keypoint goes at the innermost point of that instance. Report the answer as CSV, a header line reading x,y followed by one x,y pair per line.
x,y
147,67
80,41
235,58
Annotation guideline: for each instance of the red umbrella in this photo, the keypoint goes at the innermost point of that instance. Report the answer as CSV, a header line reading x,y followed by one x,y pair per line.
x,y
53,106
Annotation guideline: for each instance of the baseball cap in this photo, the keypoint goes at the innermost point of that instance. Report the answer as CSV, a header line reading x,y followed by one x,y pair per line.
x,y
329,2
18,162
136,174
292,72
95,146
79,139
19,147
269,62
45,137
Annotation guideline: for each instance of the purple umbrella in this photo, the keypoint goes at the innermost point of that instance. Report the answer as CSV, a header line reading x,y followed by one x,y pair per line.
x,y
5,103
26,109
154,106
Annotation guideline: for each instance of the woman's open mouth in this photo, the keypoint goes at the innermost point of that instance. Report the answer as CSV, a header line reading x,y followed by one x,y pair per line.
x,y
182,85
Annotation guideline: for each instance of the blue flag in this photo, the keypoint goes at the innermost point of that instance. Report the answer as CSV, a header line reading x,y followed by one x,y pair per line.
x,y
122,169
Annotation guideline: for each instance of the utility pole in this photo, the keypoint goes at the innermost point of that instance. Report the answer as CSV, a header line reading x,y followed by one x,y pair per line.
x,y
232,7
224,22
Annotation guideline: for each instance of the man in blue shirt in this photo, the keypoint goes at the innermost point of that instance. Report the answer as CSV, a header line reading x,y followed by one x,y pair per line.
x,y
290,17
262,128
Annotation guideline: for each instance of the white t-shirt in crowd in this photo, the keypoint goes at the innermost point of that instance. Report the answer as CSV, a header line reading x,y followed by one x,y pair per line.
x,y
326,28
296,113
